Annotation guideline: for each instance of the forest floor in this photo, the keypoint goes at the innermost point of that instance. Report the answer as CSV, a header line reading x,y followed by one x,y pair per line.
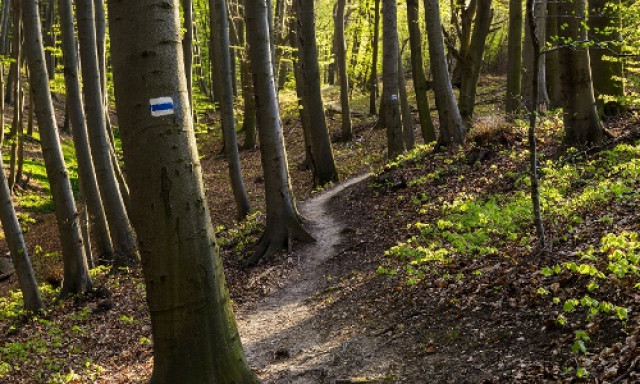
x,y
425,269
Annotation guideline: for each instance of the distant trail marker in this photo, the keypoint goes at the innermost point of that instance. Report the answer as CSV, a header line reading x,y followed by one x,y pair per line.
x,y
161,106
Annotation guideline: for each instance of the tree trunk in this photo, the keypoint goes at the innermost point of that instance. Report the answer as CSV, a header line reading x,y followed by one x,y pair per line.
x,y
322,154
124,247
86,171
374,60
195,336
18,249
308,163
283,222
452,129
527,62
187,47
50,37
222,65
473,59
514,57
533,114
407,118
248,97
17,95
608,75
581,122
417,69
76,273
341,58
5,23
390,99
554,88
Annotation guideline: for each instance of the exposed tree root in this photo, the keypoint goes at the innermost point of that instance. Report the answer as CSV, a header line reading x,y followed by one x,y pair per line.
x,y
277,239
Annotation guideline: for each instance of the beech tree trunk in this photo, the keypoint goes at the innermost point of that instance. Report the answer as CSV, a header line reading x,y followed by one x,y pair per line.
x,y
341,57
527,61
195,336
222,65
514,57
323,166
554,88
76,273
581,122
452,129
417,69
473,59
187,47
249,115
86,171
283,222
374,60
608,75
124,247
390,98
407,117
18,249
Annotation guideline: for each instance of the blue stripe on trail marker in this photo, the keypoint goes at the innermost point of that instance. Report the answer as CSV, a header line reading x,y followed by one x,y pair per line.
x,y
162,107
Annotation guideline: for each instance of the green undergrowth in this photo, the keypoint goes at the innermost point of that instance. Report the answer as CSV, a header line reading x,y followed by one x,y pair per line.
x,y
37,196
485,223
55,337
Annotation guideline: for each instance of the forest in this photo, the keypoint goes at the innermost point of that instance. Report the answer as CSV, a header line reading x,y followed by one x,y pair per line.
x,y
328,191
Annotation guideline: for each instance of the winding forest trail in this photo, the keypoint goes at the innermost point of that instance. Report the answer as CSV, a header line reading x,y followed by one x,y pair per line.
x,y
284,340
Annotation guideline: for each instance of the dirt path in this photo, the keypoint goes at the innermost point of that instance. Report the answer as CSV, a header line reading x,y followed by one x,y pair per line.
x,y
284,340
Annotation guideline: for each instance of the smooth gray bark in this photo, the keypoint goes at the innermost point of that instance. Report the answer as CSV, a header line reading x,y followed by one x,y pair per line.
x,y
514,57
187,46
86,171
452,129
605,24
390,97
581,121
417,69
341,58
323,166
473,59
527,61
76,273
407,117
195,337
124,247
222,66
283,222
18,249
373,79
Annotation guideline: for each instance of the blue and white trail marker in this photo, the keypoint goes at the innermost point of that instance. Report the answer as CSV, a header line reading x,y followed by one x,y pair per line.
x,y
161,106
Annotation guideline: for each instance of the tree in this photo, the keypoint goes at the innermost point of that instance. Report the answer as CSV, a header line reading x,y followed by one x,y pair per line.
x,y
341,58
408,135
86,171
187,46
374,60
124,246
224,87
417,69
527,61
554,88
581,122
18,249
514,55
452,129
194,330
608,75
323,166
283,222
472,61
390,99
76,273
